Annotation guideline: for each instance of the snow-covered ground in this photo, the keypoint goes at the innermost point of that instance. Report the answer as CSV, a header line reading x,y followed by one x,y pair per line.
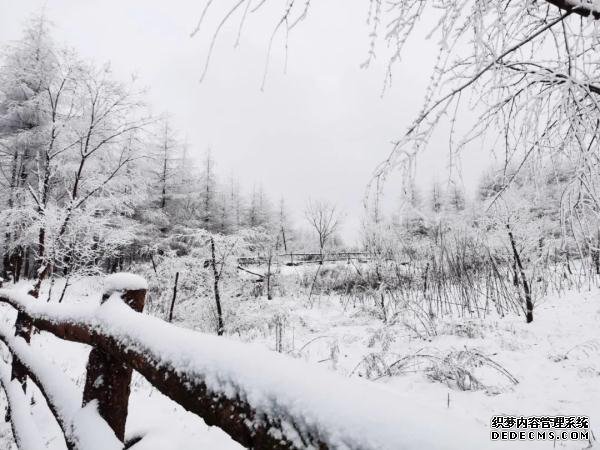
x,y
556,361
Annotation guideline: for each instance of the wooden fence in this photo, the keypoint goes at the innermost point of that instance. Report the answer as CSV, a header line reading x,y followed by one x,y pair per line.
x,y
292,259
262,399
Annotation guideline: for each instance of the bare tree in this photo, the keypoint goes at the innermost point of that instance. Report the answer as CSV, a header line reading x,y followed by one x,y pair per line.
x,y
324,219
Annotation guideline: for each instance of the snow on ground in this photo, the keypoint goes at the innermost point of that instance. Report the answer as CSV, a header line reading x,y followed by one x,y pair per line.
x,y
556,361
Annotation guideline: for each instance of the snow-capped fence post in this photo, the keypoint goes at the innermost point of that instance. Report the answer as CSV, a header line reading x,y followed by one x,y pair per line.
x,y
108,379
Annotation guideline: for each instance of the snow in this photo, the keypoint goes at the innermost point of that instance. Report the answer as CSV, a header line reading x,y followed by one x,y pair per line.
x,y
83,426
556,360
534,353
124,281
164,425
347,413
23,425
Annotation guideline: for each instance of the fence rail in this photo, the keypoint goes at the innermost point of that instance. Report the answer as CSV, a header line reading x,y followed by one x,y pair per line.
x,y
305,258
262,399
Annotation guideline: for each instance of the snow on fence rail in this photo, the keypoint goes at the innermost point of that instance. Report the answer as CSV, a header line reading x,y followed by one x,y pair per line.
x,y
24,428
263,400
62,397
305,258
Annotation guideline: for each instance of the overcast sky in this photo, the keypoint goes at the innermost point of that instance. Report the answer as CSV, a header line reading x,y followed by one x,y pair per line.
x,y
316,131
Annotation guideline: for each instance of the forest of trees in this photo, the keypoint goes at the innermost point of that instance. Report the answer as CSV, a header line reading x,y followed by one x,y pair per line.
x,y
440,283
91,181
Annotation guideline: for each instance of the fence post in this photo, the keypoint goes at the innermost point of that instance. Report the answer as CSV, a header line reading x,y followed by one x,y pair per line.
x,y
108,380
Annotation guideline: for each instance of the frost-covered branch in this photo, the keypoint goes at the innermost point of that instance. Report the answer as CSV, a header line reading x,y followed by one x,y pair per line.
x,y
516,66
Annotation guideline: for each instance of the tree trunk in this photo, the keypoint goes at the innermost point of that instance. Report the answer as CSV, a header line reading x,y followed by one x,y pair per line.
x,y
269,260
526,288
596,254
174,297
64,291
284,240
216,276
26,268
7,259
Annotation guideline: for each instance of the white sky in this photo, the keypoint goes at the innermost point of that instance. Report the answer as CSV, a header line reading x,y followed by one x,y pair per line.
x,y
316,131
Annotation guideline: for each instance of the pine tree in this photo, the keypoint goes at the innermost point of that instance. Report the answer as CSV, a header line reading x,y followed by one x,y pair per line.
x,y
27,72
